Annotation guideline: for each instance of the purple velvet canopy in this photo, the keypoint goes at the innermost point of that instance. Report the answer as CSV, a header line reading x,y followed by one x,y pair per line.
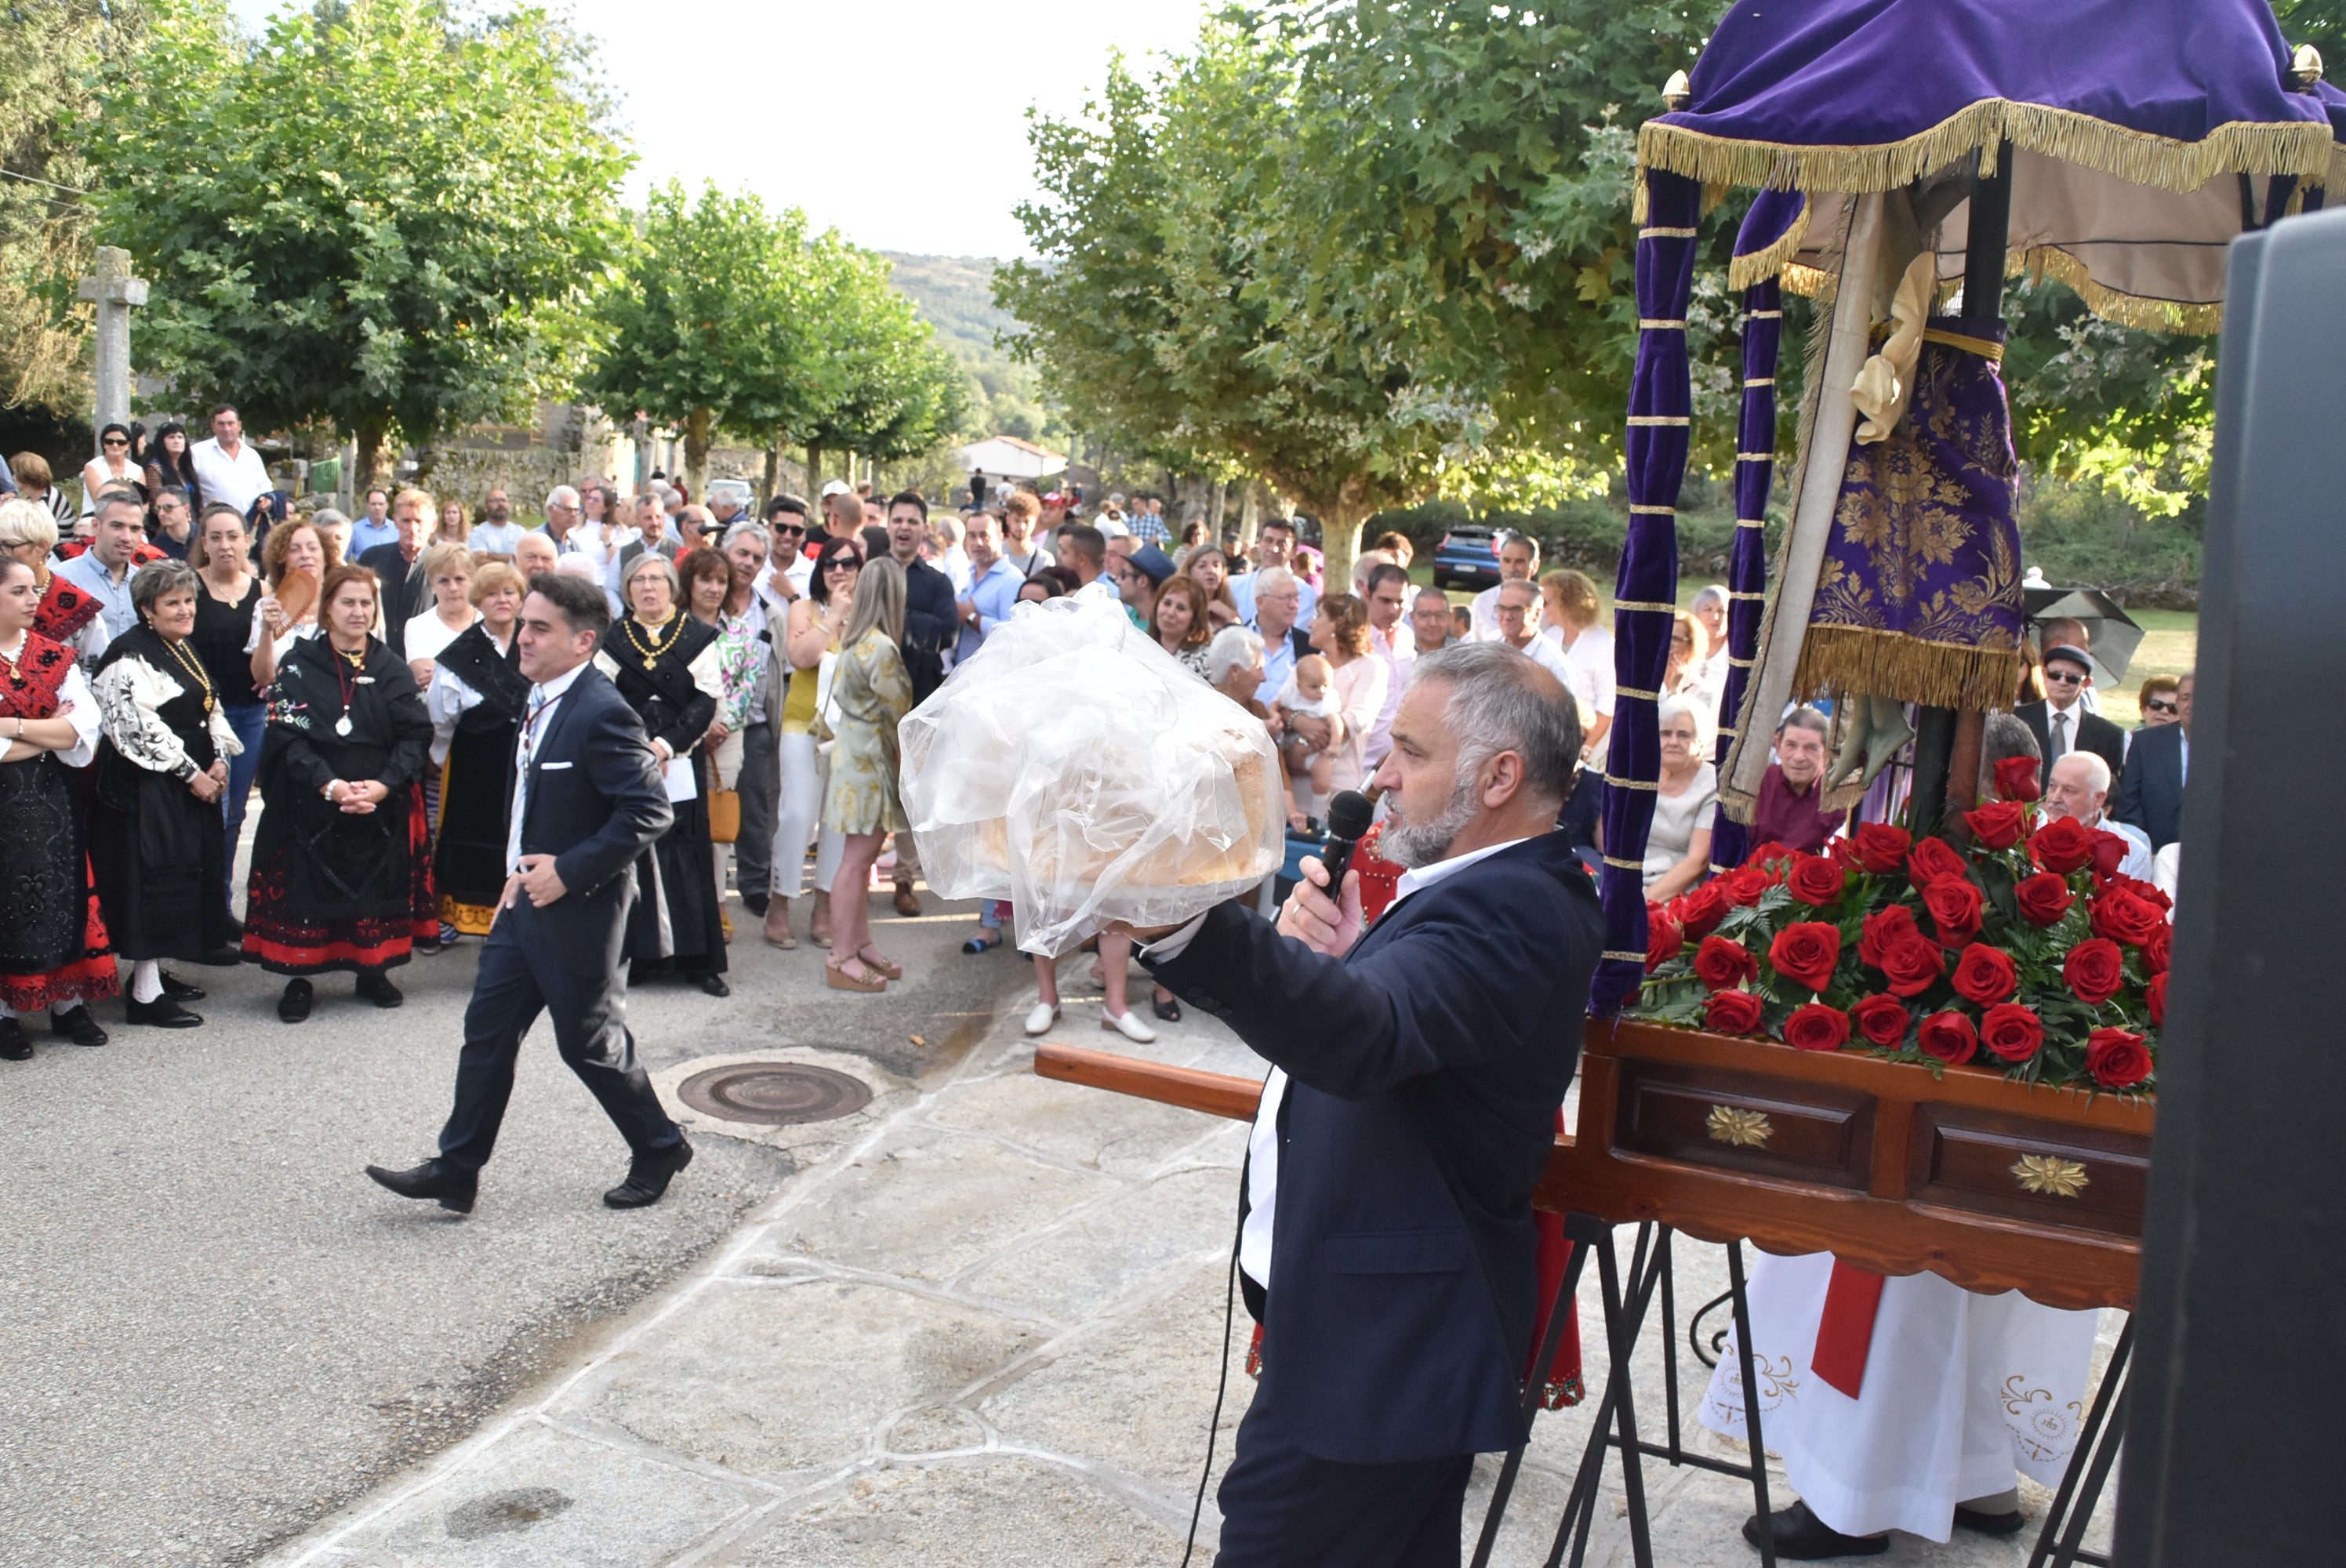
x,y
2135,126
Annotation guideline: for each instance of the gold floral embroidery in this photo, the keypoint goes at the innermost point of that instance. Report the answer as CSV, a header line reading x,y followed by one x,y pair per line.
x,y
2045,1431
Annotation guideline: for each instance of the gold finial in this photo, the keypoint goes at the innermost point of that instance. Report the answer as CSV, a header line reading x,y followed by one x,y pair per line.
x,y
1678,91
2304,69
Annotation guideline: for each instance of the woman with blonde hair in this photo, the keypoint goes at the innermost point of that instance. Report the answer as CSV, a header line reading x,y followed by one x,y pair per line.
x,y
455,523
67,614
870,693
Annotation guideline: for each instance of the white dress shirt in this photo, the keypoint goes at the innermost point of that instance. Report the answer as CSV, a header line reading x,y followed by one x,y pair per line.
x,y
538,716
237,481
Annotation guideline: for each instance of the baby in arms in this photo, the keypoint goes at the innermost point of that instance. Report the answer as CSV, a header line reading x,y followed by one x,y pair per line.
x,y
1305,695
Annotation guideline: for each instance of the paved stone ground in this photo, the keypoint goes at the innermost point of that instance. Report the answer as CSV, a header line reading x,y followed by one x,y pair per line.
x,y
987,1330
215,1331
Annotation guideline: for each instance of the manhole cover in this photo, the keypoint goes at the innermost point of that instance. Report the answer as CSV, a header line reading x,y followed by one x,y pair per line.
x,y
774,1094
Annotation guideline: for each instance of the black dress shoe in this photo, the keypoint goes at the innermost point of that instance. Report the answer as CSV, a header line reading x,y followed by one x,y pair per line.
x,y
294,1006
1802,1537
715,985
1169,1009
79,1024
755,903
178,989
162,1014
647,1177
429,1181
376,987
1989,1523
14,1044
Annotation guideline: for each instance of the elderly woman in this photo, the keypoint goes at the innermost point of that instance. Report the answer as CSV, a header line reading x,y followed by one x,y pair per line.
x,y
1180,622
2161,701
809,640
53,947
66,614
475,703
340,876
664,663
1339,629
158,844
1685,804
1709,612
448,569
870,692
36,484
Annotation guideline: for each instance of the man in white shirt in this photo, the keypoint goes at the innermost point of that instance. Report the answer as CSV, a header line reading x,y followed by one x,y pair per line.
x,y
1428,620
103,571
1277,598
1518,624
228,468
1020,512
2078,786
1518,562
1387,588
1274,549
496,537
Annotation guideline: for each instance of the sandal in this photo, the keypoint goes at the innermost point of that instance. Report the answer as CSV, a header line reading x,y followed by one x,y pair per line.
x,y
978,944
835,975
877,965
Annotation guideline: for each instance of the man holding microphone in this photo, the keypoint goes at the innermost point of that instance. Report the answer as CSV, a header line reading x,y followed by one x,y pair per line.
x,y
1386,1238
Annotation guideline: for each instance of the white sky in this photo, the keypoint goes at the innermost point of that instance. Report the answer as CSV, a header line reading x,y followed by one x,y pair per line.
x,y
920,143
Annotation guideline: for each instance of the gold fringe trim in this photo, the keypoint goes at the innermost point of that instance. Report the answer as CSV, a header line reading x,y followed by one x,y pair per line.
x,y
2126,310
1625,865
2302,149
1655,605
1763,315
1623,957
1763,264
1631,783
1640,696
1890,664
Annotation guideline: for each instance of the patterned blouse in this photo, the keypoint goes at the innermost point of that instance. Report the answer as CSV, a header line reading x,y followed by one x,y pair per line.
x,y
130,695
741,662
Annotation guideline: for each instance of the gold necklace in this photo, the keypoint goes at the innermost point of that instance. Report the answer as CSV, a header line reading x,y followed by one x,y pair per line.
x,y
15,673
651,652
193,667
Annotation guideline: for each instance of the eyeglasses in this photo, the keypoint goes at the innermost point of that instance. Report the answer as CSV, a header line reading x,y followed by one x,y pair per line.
x,y
842,564
2063,677
2156,704
114,441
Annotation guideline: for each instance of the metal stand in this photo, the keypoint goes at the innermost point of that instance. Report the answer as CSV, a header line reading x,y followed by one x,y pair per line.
x,y
2058,1544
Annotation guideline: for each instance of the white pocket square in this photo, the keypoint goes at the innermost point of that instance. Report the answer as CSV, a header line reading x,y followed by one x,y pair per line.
x,y
550,767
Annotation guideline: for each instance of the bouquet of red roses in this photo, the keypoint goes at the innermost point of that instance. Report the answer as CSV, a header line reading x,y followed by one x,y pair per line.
x,y
2027,952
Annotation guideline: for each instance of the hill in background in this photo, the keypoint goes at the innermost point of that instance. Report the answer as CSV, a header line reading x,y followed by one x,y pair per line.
x,y
956,295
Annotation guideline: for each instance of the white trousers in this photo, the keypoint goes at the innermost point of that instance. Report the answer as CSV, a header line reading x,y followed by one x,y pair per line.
x,y
725,768
1959,1389
803,775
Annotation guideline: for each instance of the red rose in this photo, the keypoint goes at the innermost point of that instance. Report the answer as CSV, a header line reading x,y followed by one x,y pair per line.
x,y
1766,853
2154,993
1699,910
1885,930
1663,938
1882,1020
2124,916
1731,1012
1807,952
1813,880
1817,1027
2157,951
2042,898
2062,846
1949,1036
1955,903
1998,824
2110,850
2016,779
1723,965
1744,884
1878,847
1912,965
2150,893
2116,1058
2011,1030
1983,975
2095,970
1932,858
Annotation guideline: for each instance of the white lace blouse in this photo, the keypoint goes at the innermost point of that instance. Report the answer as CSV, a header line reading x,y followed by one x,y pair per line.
x,y
130,695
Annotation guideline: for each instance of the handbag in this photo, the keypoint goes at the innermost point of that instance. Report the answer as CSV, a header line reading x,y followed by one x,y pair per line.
x,y
724,815
826,710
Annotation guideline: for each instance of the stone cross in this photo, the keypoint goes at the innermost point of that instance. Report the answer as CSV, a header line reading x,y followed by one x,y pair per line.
x,y
113,291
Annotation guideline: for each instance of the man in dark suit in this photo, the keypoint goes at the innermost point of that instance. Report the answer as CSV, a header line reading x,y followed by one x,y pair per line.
x,y
399,568
585,799
2150,794
1386,1239
931,618
2062,724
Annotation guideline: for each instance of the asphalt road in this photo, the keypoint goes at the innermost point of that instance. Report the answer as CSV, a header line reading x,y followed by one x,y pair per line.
x,y
214,1329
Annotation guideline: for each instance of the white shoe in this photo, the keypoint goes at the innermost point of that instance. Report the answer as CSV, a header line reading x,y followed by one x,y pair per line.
x,y
1128,1025
1042,1016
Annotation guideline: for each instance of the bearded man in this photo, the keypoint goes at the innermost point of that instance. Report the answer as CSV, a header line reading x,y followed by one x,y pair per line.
x,y
1386,1233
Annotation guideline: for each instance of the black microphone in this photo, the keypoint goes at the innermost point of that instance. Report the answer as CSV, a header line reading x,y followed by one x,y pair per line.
x,y
1349,815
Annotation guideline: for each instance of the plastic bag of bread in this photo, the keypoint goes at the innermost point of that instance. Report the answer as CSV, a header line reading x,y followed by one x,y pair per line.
x,y
1076,769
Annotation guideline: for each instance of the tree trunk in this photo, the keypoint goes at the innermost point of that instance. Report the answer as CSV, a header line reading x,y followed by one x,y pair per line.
x,y
1339,542
369,463
774,466
696,434
814,473
1249,515
1221,508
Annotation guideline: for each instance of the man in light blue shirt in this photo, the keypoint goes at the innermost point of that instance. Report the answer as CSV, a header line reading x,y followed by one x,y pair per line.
x,y
994,584
375,527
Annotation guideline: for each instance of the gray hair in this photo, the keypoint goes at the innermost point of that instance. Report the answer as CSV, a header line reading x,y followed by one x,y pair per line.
x,y
1234,649
748,528
1713,595
1434,594
1679,707
1807,718
2097,769
562,495
1273,578
327,517
157,579
650,560
1501,701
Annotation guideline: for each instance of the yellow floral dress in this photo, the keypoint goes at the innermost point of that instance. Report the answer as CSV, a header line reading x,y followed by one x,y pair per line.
x,y
869,691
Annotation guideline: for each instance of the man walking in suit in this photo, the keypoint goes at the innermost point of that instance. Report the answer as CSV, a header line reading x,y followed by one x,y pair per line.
x,y
2061,723
586,799
1386,1240
2150,795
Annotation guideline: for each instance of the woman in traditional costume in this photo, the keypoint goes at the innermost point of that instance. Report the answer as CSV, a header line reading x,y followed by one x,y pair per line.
x,y
158,844
870,692
53,945
476,702
342,879
664,663
67,615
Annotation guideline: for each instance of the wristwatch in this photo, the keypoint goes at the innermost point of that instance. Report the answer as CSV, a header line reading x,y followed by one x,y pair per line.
x,y
185,771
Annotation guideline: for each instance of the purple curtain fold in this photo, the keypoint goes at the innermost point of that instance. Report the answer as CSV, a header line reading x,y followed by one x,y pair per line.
x,y
1747,562
1645,592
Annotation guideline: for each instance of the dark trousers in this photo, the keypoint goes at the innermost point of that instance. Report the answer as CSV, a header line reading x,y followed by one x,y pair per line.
x,y
759,782
533,963
1284,1508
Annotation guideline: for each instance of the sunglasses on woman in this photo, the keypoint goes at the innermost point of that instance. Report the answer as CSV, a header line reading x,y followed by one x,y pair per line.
x,y
2157,705
114,441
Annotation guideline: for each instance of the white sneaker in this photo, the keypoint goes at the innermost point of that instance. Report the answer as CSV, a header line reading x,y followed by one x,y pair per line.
x,y
1042,1016
1128,1025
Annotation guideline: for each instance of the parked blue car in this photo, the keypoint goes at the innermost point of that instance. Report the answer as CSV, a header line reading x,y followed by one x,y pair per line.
x,y
1467,558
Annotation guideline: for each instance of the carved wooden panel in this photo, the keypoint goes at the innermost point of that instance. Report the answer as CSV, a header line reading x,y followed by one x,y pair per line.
x,y
2070,1176
1740,1122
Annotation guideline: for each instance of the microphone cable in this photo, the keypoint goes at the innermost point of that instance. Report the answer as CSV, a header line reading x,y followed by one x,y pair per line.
x,y
1214,1426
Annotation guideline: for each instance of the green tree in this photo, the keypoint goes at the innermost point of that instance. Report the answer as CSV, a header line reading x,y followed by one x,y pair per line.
x,y
894,391
379,217
707,325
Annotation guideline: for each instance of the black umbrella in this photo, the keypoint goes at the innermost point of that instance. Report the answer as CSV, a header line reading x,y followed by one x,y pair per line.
x,y
2110,630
